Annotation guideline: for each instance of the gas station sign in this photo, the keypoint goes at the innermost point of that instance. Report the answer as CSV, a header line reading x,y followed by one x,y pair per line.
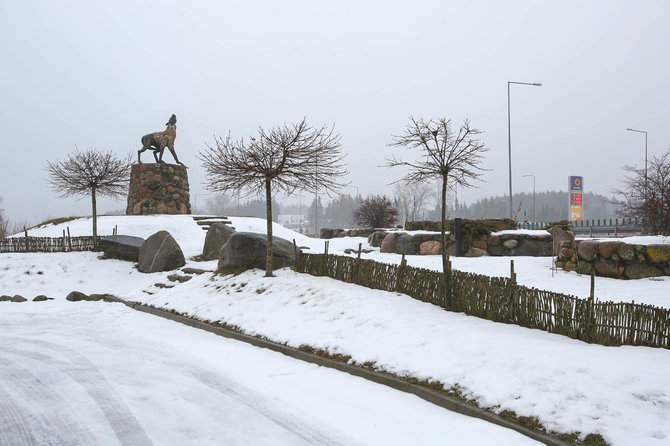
x,y
576,187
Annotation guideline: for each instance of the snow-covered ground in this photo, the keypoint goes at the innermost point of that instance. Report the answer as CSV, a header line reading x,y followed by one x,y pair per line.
x,y
102,374
531,271
619,392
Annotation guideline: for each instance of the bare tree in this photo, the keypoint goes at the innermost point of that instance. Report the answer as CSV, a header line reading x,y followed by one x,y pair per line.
x,y
414,197
90,172
4,224
646,194
285,158
446,156
219,204
376,212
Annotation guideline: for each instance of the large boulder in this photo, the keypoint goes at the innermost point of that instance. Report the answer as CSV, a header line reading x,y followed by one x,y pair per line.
x,y
607,268
160,252
375,239
405,245
388,244
607,249
249,250
658,253
124,247
217,236
641,271
560,235
430,247
587,250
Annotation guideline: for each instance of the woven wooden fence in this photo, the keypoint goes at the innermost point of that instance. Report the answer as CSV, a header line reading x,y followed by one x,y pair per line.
x,y
502,300
47,244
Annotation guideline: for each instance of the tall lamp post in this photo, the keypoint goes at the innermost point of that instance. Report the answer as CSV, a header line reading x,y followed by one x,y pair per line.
x,y
645,159
531,175
509,139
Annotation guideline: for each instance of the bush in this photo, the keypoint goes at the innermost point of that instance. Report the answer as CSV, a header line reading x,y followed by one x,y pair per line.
x,y
376,212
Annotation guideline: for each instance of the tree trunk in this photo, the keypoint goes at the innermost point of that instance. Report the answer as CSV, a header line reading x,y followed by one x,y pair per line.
x,y
446,272
95,219
268,212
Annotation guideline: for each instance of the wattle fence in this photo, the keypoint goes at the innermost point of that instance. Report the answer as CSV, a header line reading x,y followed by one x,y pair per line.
x,y
500,299
47,244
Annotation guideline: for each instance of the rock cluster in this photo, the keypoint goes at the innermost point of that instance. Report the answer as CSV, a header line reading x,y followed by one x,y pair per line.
x,y
520,244
158,188
506,244
19,298
613,258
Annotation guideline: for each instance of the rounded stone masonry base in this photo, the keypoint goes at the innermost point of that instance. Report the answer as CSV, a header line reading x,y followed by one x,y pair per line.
x,y
158,188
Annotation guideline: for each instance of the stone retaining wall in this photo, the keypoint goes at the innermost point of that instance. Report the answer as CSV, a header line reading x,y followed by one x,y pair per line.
x,y
506,244
614,259
158,188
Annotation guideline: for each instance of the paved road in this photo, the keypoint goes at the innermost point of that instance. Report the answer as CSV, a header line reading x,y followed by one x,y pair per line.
x,y
101,374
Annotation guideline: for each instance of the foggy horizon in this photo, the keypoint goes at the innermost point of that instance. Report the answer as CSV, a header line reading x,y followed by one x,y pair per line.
x,y
99,74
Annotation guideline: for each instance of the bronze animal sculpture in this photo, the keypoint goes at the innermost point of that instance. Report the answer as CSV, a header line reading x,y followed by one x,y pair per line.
x,y
158,141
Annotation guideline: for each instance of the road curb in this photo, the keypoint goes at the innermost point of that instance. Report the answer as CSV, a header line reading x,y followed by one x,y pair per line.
x,y
437,398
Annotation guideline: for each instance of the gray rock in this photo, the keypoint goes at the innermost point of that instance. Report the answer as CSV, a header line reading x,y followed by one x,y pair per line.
x,y
559,235
123,247
404,245
510,243
217,236
587,249
160,252
178,278
41,298
533,247
626,252
476,252
105,297
18,298
640,271
76,296
196,271
248,250
5,298
163,285
375,239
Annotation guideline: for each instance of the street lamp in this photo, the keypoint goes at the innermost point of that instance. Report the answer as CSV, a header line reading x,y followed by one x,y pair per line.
x,y
645,159
509,139
531,175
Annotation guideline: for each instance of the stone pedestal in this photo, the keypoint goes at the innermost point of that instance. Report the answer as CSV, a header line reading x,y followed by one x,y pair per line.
x,y
158,188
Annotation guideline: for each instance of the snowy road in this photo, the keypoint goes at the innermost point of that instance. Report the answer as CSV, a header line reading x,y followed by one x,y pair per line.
x,y
96,373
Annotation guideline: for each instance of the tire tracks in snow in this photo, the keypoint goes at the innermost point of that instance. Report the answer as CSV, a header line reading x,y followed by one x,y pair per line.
x,y
126,428
49,412
263,406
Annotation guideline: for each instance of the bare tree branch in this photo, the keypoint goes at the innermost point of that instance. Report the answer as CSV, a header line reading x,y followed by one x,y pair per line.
x,y
447,156
90,172
285,158
647,197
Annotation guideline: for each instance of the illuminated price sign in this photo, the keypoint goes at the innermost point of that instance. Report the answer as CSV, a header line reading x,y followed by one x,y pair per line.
x,y
575,186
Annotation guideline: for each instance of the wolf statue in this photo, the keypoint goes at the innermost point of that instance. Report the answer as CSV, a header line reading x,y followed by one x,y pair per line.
x,y
158,141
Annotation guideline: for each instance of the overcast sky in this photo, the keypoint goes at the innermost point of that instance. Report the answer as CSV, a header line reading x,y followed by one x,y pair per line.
x,y
103,73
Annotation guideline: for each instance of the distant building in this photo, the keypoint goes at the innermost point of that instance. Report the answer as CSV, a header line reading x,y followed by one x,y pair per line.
x,y
290,220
